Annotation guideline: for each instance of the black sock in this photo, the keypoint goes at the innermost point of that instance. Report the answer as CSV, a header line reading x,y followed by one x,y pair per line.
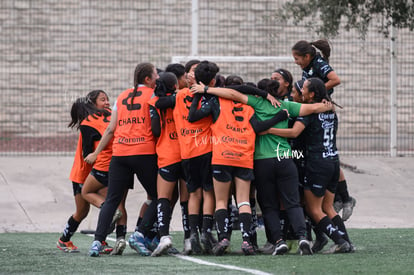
x,y
121,231
337,221
184,216
139,222
149,221
207,223
70,229
164,216
222,222
231,218
193,221
342,191
326,226
254,215
308,223
245,225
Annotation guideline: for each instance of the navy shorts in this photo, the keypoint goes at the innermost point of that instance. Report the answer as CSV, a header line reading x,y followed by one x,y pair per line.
x,y
321,175
77,188
172,172
198,173
100,176
226,173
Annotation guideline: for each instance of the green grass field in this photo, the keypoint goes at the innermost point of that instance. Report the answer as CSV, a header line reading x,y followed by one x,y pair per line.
x,y
378,251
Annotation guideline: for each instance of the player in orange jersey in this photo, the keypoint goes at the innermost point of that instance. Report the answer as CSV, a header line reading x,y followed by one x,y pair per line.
x,y
93,105
133,153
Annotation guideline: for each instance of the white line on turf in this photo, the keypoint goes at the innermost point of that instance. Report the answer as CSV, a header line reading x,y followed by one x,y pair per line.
x,y
231,267
198,261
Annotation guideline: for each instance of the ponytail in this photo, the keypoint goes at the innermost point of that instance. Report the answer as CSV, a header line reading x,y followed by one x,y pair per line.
x,y
323,46
303,48
142,71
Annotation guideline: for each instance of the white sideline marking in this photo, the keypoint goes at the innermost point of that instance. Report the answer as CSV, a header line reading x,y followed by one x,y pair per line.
x,y
198,261
231,267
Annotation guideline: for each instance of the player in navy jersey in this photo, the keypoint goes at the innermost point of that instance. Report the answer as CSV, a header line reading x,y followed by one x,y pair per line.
x,y
315,65
322,166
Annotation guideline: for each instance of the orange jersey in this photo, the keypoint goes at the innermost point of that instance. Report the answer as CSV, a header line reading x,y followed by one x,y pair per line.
x,y
100,123
80,169
167,147
194,137
233,137
133,135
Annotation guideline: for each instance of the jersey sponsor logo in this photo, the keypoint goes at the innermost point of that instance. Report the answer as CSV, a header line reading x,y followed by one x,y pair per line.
x,y
123,140
130,106
231,155
228,139
131,120
185,132
324,116
187,101
236,129
173,135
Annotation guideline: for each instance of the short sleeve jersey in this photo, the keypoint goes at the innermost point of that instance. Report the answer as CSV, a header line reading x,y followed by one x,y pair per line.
x,y
100,123
319,68
194,138
233,137
272,146
320,135
167,147
133,135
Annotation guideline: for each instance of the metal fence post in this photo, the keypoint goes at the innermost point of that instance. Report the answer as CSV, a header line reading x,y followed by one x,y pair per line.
x,y
393,93
194,27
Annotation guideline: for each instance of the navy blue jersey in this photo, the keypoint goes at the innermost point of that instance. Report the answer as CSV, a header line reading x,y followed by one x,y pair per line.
x,y
320,135
319,68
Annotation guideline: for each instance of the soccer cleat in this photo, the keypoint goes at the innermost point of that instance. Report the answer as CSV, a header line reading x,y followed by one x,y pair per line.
x,y
119,247
151,244
195,244
248,248
221,247
115,218
67,247
95,249
105,249
339,248
187,246
304,247
172,251
137,242
351,248
208,242
338,205
268,248
164,245
319,244
253,238
280,248
348,208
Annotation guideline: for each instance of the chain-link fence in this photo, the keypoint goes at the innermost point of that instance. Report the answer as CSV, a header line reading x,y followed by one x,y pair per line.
x,y
52,52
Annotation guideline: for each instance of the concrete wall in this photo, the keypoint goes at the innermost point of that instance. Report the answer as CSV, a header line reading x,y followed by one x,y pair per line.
x,y
52,52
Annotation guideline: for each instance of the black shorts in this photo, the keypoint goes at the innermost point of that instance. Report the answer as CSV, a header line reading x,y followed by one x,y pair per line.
x,y
100,176
77,188
172,172
198,172
321,175
123,168
225,173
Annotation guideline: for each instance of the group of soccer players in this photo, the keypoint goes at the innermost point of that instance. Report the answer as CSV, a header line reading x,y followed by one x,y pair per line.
x,y
188,133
